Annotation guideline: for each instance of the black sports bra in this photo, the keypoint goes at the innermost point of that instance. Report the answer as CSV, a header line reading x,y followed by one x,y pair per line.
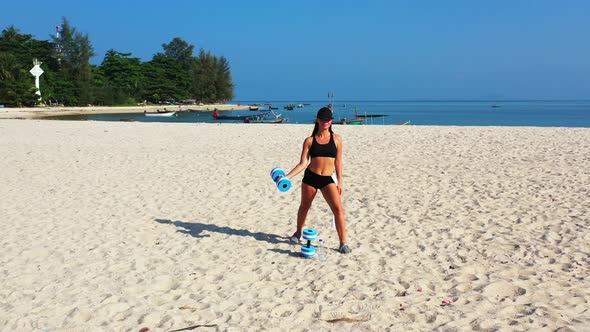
x,y
323,150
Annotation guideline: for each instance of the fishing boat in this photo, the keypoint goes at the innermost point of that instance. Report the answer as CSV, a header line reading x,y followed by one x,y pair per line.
x,y
355,121
370,115
266,118
403,123
273,107
238,117
360,115
289,107
160,113
247,120
253,108
230,117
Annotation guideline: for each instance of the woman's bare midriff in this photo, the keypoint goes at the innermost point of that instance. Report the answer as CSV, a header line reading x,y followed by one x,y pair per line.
x,y
322,165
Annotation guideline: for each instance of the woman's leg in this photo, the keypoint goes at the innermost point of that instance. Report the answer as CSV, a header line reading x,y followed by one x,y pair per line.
x,y
307,195
332,197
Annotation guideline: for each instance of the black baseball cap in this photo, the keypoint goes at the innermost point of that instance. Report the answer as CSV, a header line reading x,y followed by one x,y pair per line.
x,y
325,114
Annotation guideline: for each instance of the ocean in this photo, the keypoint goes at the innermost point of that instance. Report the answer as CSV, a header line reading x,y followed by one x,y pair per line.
x,y
555,113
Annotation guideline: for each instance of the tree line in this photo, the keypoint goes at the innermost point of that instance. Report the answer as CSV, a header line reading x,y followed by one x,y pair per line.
x,y
121,79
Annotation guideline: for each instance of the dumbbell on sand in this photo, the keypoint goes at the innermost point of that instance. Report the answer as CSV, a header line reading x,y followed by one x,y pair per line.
x,y
307,250
278,176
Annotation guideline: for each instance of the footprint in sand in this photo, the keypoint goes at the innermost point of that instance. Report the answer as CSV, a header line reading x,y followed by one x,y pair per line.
x,y
502,289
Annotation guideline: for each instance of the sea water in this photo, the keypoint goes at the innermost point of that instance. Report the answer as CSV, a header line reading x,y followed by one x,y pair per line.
x,y
572,113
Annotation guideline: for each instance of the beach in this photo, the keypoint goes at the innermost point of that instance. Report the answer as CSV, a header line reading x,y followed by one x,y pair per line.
x,y
42,112
119,226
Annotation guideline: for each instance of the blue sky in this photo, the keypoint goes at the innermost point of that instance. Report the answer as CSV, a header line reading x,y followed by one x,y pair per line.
x,y
359,50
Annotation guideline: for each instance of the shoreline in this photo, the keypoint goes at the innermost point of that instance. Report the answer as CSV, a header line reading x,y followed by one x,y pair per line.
x,y
41,112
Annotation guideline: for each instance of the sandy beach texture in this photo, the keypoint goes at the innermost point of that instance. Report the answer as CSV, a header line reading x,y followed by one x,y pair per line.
x,y
41,112
119,226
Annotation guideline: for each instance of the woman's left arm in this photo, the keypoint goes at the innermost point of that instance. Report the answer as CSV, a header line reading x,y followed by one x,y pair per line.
x,y
338,161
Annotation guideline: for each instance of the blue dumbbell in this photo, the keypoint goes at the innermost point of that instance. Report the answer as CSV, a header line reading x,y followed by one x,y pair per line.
x,y
307,250
278,176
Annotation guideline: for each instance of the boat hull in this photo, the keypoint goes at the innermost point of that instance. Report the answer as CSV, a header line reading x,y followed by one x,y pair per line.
x,y
161,114
351,121
238,117
266,121
371,115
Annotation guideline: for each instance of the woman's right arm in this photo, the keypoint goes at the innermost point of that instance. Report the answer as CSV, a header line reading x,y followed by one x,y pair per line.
x,y
303,160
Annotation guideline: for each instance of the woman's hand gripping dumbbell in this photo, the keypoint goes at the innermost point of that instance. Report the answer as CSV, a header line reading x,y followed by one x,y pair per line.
x,y
278,176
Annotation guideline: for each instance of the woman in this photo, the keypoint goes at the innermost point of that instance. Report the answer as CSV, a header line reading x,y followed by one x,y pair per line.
x,y
321,157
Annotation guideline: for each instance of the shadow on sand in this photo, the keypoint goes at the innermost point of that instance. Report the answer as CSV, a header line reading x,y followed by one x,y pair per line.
x,y
197,229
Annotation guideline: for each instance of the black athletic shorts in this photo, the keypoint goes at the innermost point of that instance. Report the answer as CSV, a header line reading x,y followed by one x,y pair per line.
x,y
315,180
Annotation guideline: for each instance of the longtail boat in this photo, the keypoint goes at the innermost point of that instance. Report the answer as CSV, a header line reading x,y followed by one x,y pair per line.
x,y
166,113
355,121
370,115
360,115
238,117
265,120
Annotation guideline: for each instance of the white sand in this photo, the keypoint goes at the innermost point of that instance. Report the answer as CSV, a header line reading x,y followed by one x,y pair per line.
x,y
117,226
40,112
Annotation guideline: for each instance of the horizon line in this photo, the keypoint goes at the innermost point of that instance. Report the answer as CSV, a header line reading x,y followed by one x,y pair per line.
x,y
410,100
